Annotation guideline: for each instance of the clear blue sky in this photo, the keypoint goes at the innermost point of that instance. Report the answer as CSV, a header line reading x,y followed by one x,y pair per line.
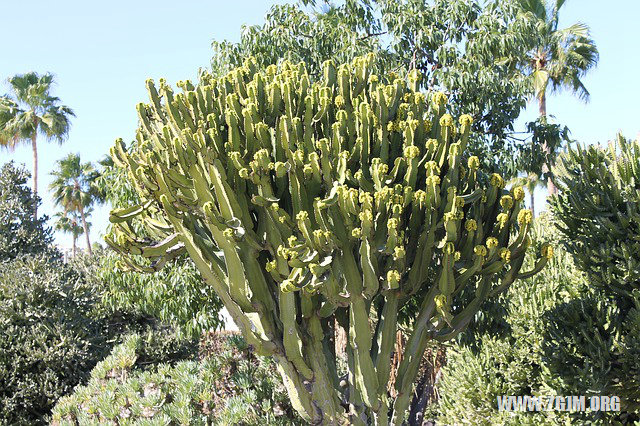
x,y
101,54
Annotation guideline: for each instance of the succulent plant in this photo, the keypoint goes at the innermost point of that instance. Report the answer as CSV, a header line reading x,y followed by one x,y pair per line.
x,y
598,211
305,203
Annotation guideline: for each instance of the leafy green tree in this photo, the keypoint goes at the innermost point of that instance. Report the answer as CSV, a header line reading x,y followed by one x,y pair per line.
x,y
561,58
472,50
69,222
29,110
173,295
74,189
20,232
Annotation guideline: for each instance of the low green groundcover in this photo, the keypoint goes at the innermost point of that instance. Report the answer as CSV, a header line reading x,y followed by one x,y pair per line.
x,y
229,385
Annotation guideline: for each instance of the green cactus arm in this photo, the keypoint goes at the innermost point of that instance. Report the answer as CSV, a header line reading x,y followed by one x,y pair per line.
x,y
161,248
262,346
369,274
325,394
414,349
424,253
301,399
462,319
292,339
386,340
360,339
235,269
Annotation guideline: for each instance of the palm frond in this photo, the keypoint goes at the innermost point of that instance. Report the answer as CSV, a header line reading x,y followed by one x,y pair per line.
x,y
32,109
540,82
69,222
72,183
564,55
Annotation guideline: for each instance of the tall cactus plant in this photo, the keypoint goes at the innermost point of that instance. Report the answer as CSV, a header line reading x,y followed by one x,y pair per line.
x,y
303,203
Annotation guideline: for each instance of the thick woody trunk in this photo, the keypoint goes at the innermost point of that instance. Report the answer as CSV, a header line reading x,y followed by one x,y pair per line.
x,y
74,246
86,230
34,147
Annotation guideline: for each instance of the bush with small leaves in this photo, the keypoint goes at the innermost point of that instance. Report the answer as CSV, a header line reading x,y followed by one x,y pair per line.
x,y
591,348
54,328
49,341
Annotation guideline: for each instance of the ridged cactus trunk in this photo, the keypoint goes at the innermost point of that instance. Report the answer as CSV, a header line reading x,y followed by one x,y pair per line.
x,y
303,203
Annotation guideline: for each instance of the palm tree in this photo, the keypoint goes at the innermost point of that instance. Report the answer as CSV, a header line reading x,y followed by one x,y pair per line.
x,y
562,58
30,110
69,222
74,189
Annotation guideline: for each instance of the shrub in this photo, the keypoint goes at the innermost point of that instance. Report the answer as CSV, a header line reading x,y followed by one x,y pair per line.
x,y
54,328
591,348
555,335
226,387
48,339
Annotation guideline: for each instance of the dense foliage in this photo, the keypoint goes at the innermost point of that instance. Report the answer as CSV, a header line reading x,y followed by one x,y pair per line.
x,y
228,386
54,324
20,232
599,213
49,339
173,295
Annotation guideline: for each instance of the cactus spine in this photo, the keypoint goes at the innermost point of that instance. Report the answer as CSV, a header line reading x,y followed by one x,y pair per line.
x,y
302,203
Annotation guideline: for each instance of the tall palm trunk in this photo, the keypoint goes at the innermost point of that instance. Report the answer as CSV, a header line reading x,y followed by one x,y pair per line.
x,y
73,247
86,229
533,201
34,147
542,109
